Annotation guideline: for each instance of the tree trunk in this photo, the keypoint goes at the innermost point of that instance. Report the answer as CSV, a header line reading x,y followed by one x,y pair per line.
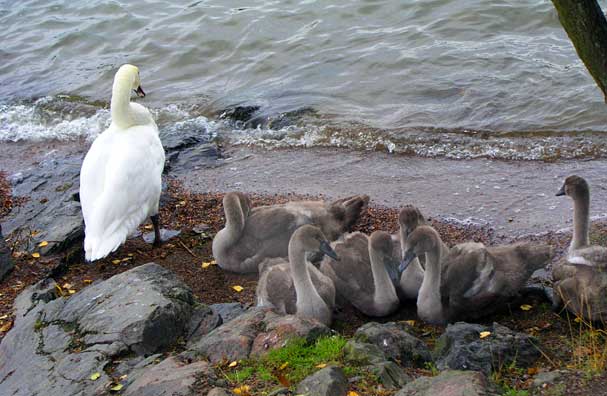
x,y
586,26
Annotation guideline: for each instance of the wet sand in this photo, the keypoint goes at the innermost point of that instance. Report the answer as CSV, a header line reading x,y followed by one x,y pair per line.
x,y
516,198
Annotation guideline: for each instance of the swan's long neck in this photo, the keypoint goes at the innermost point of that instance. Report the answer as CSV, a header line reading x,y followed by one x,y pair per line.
x,y
307,296
235,222
120,107
429,304
383,291
581,209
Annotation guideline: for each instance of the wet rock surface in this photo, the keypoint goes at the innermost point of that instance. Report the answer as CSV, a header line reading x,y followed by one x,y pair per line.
x,y
461,348
450,383
57,343
6,262
394,341
50,212
330,381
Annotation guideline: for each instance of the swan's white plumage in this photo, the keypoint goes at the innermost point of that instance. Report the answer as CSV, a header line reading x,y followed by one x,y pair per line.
x,y
120,179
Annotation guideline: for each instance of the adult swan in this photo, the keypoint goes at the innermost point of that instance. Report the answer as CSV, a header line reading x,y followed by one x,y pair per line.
x,y
120,179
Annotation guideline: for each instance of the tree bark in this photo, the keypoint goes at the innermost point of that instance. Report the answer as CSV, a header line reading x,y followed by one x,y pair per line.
x,y
586,27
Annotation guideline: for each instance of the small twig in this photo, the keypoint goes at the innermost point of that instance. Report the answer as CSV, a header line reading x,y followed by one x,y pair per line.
x,y
188,249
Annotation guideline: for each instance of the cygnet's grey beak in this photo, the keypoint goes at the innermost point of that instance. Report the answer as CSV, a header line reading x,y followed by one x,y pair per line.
x,y
561,191
409,256
325,248
139,92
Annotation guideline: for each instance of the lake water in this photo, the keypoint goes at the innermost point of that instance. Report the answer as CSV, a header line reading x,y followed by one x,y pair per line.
x,y
459,78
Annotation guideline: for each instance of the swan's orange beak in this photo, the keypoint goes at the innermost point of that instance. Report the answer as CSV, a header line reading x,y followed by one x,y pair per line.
x,y
139,92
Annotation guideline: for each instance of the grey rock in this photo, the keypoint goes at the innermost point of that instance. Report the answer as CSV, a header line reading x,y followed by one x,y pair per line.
x,y
461,348
228,311
330,381
395,343
218,392
56,344
253,333
6,261
50,207
165,235
202,322
546,378
362,353
390,374
450,383
168,378
280,391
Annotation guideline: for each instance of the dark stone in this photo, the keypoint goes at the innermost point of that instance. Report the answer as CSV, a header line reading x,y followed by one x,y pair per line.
x,y
50,208
362,353
57,343
165,235
239,113
228,311
6,262
218,392
390,375
330,381
394,341
203,321
461,348
450,383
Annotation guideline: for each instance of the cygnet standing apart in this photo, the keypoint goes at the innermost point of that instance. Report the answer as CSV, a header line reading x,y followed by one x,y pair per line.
x,y
120,179
580,278
296,286
253,234
470,280
360,276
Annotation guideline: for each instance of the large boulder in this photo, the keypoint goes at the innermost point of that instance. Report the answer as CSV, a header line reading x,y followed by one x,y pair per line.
x,y
252,334
329,381
58,343
450,383
462,348
394,341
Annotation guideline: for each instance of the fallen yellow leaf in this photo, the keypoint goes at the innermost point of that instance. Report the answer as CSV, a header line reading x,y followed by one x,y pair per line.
x,y
66,285
3,317
43,244
130,254
95,376
148,226
206,264
88,281
321,365
116,262
238,288
126,259
116,387
578,320
526,307
484,334
410,322
352,393
233,364
213,262
59,290
6,327
242,390
283,366
36,255
71,291
123,377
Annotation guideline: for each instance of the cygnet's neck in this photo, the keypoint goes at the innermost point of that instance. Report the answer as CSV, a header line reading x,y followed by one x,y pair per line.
x,y
429,304
581,209
384,292
120,107
307,295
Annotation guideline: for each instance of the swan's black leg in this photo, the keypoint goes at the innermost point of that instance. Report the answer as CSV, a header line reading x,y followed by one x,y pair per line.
x,y
156,222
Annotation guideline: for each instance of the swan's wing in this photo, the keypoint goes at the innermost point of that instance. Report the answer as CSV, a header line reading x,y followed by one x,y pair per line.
x,y
275,288
92,172
130,191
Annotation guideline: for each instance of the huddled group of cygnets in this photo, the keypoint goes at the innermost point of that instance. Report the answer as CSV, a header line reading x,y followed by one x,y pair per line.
x,y
307,260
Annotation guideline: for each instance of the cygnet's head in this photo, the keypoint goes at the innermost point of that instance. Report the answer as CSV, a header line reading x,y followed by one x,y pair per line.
x,y
130,73
422,240
381,242
312,240
574,187
409,218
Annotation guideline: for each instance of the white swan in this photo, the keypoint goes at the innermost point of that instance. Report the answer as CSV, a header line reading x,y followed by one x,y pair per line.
x,y
120,179
580,278
296,286
361,276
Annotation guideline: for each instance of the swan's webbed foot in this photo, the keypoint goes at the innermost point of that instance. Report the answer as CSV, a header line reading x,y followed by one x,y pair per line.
x,y
156,222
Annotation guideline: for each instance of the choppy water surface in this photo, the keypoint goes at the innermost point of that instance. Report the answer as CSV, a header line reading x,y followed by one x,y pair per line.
x,y
459,78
